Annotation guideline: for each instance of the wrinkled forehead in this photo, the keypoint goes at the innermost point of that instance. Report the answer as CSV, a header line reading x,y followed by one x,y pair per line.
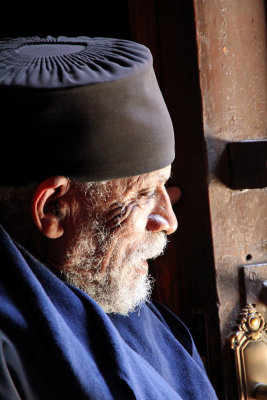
x,y
140,182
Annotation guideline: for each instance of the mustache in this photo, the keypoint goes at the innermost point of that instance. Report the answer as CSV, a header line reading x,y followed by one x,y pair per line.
x,y
152,247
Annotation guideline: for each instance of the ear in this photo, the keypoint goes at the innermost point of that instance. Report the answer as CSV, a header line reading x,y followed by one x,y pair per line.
x,y
48,207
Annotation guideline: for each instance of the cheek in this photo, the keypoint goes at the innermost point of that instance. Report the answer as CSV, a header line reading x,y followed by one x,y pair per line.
x,y
139,223
127,237
132,235
134,225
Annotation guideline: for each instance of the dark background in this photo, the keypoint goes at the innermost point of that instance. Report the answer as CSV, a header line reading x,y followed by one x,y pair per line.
x,y
77,18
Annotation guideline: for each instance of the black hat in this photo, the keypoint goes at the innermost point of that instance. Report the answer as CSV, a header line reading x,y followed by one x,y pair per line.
x,y
87,108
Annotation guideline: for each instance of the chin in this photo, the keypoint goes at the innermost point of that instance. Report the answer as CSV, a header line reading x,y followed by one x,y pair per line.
x,y
117,292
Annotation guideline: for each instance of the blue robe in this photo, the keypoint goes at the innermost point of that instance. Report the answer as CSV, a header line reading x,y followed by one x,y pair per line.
x,y
56,343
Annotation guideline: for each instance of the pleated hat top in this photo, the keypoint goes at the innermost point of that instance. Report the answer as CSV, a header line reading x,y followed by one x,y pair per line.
x,y
87,108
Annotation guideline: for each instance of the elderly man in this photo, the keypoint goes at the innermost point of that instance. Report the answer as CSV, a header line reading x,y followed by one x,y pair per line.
x,y
86,149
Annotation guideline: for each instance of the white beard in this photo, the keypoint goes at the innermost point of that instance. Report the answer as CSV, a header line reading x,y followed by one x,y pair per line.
x,y
120,288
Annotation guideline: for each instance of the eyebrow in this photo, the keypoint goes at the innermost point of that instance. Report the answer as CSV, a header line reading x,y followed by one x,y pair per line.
x,y
164,178
161,179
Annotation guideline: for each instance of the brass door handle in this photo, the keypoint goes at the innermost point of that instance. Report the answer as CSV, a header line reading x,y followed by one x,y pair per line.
x,y
260,391
250,345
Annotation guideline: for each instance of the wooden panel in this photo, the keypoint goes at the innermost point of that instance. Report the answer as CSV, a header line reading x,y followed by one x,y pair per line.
x,y
233,74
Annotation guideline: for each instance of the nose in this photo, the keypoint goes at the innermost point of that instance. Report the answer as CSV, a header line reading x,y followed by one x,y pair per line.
x,y
162,217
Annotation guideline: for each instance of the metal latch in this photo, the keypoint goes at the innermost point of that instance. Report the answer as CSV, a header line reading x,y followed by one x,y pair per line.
x,y
254,278
249,340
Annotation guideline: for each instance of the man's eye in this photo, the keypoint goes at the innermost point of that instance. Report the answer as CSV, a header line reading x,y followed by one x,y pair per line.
x,y
148,194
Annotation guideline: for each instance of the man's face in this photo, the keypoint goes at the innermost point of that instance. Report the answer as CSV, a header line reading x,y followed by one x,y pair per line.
x,y
119,230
